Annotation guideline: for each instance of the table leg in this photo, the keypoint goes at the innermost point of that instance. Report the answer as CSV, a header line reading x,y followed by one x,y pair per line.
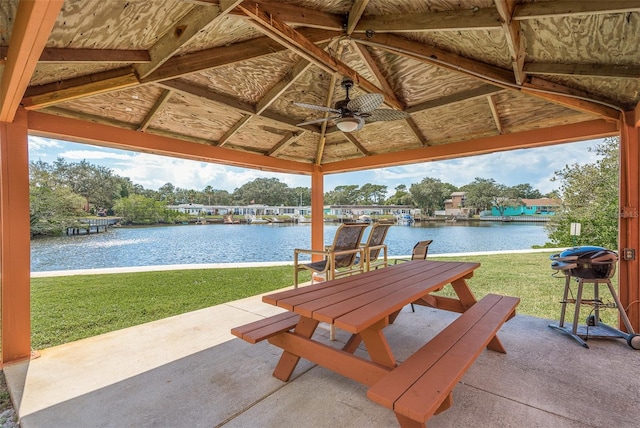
x,y
464,293
352,344
377,345
288,361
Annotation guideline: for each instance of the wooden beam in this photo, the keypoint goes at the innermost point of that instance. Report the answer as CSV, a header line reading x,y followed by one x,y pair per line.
x,y
322,139
289,78
303,47
301,16
240,106
286,141
51,126
88,56
438,57
175,67
636,114
157,107
183,31
233,130
451,20
480,71
106,82
495,114
595,70
357,143
33,23
355,14
417,132
456,97
558,8
512,34
227,55
572,99
73,114
368,60
520,140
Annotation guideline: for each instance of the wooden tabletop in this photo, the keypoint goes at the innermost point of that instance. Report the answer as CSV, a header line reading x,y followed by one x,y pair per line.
x,y
356,302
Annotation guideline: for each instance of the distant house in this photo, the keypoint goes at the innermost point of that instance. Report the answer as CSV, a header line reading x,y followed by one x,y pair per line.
x,y
354,211
455,206
541,207
190,209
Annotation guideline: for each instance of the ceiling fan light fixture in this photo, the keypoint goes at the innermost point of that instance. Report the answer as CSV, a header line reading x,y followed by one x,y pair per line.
x,y
348,124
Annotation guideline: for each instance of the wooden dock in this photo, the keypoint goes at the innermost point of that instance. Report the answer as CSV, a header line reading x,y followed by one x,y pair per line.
x,y
89,226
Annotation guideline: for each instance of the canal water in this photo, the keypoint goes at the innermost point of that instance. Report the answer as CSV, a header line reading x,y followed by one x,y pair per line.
x,y
224,243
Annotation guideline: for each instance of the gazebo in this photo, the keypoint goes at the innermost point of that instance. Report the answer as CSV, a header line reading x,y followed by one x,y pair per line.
x,y
222,81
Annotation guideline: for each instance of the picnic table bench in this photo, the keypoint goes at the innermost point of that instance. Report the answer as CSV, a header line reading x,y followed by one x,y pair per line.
x,y
364,305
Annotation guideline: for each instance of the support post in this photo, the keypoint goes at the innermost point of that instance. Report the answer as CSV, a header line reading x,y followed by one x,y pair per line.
x,y
15,266
317,210
629,226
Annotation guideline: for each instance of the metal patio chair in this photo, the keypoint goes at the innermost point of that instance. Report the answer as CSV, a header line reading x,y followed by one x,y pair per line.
x,y
344,257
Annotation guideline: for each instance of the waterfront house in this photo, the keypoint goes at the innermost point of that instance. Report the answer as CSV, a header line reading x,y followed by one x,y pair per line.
x,y
531,207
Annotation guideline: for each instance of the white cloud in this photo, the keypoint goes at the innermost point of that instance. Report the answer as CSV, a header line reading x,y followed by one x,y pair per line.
x,y
37,144
533,166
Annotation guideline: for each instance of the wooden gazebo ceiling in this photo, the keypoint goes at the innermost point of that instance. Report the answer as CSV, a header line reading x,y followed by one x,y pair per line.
x,y
226,73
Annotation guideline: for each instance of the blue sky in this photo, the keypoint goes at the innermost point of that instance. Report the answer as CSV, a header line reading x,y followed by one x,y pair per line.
x,y
533,166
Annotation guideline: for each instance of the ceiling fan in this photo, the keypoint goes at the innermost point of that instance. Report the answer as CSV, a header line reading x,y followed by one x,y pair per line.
x,y
351,114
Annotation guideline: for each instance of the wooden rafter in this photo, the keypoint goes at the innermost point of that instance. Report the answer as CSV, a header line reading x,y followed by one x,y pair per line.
x,y
289,79
571,98
286,141
481,71
297,43
323,128
438,57
225,100
81,56
424,141
182,33
357,143
301,16
33,23
456,97
357,9
80,87
459,20
594,70
173,68
495,114
558,8
157,107
234,130
515,41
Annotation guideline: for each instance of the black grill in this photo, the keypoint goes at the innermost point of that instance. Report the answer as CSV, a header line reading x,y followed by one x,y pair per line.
x,y
587,262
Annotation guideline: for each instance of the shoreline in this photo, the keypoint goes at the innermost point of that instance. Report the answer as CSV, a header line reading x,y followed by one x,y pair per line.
x,y
149,268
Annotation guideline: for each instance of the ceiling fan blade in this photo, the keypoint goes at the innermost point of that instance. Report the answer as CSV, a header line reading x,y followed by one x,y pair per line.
x,y
365,103
313,122
385,114
316,107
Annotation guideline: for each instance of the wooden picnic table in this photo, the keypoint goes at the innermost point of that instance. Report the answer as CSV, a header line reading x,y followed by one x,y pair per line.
x,y
363,305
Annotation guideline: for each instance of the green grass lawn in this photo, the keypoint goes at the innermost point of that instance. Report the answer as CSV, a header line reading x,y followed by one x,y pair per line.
x,y
69,308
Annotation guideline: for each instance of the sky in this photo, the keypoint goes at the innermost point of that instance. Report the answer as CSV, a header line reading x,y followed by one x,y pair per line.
x,y
533,166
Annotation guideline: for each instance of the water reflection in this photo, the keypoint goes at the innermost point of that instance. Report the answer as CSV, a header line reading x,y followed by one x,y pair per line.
x,y
121,247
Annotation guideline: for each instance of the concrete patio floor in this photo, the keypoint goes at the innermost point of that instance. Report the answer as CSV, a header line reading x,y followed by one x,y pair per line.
x,y
189,371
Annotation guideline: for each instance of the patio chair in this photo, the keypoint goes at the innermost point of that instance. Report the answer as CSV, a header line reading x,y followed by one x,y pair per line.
x,y
344,257
375,246
419,252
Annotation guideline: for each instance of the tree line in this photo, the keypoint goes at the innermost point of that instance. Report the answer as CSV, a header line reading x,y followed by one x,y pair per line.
x,y
63,192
